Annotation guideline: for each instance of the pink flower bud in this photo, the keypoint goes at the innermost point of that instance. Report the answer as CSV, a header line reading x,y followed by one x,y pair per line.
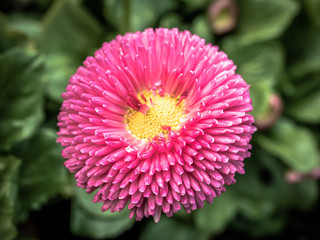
x,y
223,16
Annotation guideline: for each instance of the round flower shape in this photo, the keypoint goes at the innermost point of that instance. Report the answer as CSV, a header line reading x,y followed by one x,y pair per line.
x,y
155,121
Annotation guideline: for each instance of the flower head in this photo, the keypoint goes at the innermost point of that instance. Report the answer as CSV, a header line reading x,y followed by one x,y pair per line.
x,y
156,121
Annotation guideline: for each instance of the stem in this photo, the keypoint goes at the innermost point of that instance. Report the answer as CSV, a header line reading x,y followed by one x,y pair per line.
x,y
126,15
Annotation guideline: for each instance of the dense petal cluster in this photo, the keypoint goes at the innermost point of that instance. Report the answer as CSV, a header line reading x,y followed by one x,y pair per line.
x,y
146,77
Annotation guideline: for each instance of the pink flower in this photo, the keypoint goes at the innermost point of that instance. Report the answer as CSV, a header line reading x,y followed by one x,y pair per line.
x,y
155,121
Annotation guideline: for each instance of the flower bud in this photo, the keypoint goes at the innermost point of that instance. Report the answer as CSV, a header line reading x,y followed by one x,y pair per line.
x,y
276,108
296,177
223,16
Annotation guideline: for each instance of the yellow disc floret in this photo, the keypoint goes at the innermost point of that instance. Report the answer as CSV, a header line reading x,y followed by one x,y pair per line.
x,y
161,114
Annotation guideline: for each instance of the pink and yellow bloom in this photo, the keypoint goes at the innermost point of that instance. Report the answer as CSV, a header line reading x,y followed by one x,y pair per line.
x,y
155,121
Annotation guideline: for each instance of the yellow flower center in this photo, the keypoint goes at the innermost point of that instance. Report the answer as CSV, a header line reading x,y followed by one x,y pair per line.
x,y
158,114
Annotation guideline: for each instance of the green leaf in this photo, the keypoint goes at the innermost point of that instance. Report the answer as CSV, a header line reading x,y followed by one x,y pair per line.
x,y
303,46
70,29
261,228
260,65
306,192
113,13
172,20
25,24
14,35
268,192
294,145
59,67
192,5
87,220
8,184
145,13
306,109
257,62
303,87
171,229
21,96
313,9
214,218
264,198
262,20
256,192
42,173
263,210
69,34
4,39
201,27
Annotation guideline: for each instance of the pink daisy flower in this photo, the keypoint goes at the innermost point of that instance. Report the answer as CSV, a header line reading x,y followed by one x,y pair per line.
x,y
156,121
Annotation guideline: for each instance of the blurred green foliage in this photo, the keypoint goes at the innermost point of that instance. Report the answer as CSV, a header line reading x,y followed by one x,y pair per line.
x,y
87,219
276,46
